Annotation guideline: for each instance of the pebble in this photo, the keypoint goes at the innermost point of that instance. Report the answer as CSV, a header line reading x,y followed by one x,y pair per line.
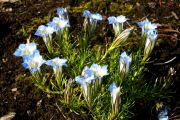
x,y
8,116
11,1
14,89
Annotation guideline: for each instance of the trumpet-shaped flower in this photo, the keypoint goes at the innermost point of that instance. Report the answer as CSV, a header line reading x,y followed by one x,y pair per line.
x,y
115,99
33,62
117,23
44,30
151,39
99,71
41,31
143,23
88,75
46,33
163,115
146,25
80,80
62,12
125,62
57,62
150,42
25,49
112,20
85,82
115,92
87,72
93,17
121,19
86,13
60,23
152,34
54,25
96,17
117,20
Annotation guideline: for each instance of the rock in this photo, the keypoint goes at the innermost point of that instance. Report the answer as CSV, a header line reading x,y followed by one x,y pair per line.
x,y
11,1
9,116
14,89
2,1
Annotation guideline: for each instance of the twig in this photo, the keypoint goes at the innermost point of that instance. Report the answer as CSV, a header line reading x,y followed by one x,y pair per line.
x,y
61,111
169,30
165,62
28,39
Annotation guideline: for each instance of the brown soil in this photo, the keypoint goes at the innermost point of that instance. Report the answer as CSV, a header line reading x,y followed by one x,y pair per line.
x,y
29,103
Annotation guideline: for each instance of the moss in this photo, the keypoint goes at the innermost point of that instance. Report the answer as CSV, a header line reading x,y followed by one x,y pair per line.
x,y
121,8
81,7
105,7
25,31
23,77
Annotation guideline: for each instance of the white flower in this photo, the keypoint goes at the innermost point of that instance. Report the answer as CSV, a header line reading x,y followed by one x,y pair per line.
x,y
25,49
33,62
150,42
146,25
44,30
63,13
121,19
117,20
49,30
57,62
115,92
96,16
82,82
99,71
125,62
117,23
163,115
88,73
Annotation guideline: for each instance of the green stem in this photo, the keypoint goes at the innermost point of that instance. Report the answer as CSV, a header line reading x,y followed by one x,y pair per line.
x,y
104,56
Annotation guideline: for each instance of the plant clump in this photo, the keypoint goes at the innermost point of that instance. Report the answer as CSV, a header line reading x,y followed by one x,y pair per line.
x,y
102,84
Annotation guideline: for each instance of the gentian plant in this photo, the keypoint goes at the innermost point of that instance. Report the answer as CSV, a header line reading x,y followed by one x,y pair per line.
x,y
115,99
150,42
46,33
57,64
124,64
89,26
86,81
84,89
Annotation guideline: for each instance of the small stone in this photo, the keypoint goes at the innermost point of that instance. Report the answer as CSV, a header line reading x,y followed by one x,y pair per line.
x,y
2,1
9,10
14,89
14,97
4,60
39,103
28,112
9,116
12,1
49,96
